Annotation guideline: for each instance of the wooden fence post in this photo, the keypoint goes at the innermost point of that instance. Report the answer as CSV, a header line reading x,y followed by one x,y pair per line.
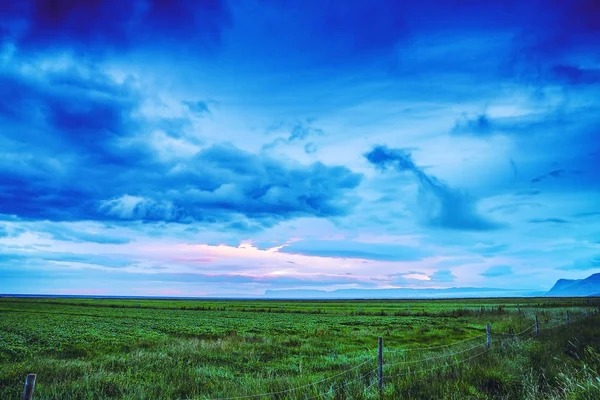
x,y
537,327
380,345
586,313
518,308
29,386
568,319
488,335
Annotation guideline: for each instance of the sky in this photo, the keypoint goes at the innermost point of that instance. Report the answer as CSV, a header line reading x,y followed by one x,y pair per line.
x,y
226,148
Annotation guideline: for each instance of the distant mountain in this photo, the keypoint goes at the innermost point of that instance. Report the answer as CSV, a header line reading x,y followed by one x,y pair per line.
x,y
589,286
396,293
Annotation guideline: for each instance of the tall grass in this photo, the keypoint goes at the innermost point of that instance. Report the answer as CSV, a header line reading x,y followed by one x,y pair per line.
x,y
90,355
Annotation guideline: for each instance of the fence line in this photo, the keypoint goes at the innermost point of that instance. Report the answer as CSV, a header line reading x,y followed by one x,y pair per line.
x,y
434,347
298,387
346,383
456,362
517,334
434,358
512,335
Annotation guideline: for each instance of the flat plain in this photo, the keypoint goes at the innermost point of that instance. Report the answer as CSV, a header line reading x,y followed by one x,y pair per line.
x,y
206,349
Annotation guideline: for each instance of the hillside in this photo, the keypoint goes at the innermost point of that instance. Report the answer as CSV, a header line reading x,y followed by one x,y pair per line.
x,y
589,286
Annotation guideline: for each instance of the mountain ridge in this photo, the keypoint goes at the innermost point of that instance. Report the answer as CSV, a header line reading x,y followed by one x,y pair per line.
x,y
394,293
589,286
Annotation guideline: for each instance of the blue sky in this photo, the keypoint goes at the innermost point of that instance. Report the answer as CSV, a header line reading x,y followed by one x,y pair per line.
x,y
233,147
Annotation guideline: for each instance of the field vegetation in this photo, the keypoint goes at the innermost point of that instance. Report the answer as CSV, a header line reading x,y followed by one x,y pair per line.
x,y
194,349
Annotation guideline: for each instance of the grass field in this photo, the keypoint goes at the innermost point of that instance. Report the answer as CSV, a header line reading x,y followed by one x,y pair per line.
x,y
172,349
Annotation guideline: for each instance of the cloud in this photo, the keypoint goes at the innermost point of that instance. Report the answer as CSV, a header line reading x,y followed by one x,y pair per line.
x,y
497,271
100,26
549,220
42,258
200,108
479,126
513,208
68,234
442,275
443,206
556,173
233,278
528,192
354,249
310,148
296,133
583,264
490,249
410,278
573,75
8,231
97,164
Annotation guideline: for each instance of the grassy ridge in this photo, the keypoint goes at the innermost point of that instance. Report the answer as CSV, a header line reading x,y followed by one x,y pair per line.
x,y
117,349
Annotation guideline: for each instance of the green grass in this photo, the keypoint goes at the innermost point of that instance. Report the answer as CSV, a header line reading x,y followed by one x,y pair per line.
x,y
171,349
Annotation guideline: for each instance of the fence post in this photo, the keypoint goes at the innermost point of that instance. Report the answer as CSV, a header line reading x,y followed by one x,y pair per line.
x,y
518,308
380,345
489,335
568,319
409,308
29,386
586,313
537,327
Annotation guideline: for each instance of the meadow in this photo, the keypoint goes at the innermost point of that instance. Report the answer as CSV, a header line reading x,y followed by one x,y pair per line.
x,y
208,349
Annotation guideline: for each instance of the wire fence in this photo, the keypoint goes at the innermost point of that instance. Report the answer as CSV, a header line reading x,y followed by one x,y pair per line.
x,y
450,358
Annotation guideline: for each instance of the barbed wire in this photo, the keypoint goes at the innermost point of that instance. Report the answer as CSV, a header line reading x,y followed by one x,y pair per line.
x,y
434,347
433,358
516,334
344,384
445,365
299,387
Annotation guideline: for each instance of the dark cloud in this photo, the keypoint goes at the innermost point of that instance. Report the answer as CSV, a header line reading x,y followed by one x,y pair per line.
x,y
552,174
583,264
497,271
443,206
478,126
350,249
555,32
548,220
95,26
95,164
575,75
325,33
199,108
